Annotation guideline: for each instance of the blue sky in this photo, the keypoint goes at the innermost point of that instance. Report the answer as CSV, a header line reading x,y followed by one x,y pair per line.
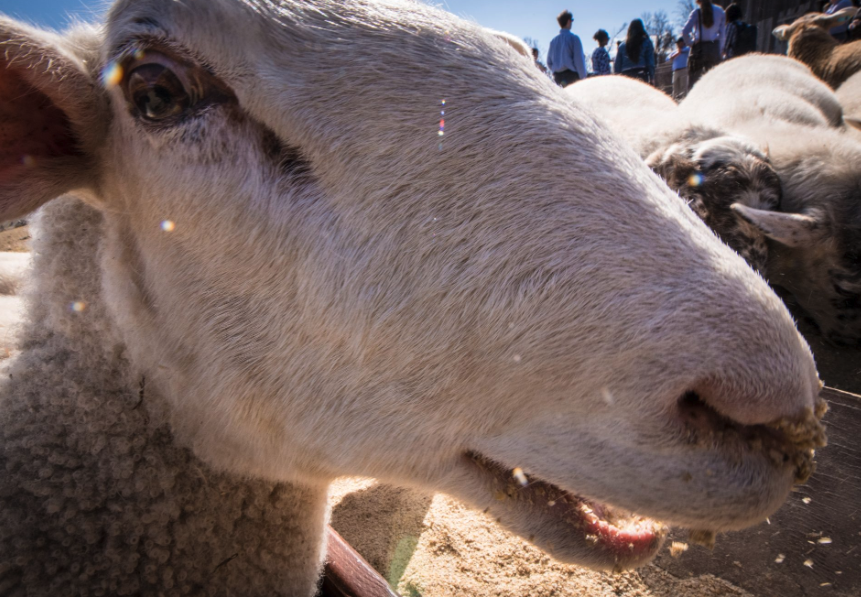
x,y
526,18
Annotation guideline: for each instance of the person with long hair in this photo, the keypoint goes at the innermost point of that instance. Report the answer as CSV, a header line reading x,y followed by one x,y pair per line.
x,y
705,33
636,56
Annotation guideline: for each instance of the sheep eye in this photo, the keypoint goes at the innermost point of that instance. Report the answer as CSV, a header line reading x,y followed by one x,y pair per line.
x,y
157,93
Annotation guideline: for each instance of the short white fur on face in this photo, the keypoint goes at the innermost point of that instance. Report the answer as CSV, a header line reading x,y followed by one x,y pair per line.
x,y
321,283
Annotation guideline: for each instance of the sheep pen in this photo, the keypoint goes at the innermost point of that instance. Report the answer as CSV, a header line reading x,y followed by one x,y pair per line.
x,y
261,288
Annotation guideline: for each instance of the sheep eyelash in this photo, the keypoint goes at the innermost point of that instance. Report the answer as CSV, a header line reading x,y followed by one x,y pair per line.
x,y
205,89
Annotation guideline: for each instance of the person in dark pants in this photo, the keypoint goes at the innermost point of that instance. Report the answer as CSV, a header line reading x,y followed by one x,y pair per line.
x,y
636,55
565,58
680,69
709,23
740,36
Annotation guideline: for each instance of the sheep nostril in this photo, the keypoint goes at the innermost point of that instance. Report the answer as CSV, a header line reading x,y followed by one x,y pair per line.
x,y
784,442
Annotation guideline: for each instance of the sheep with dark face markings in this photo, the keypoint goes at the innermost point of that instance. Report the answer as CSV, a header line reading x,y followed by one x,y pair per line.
x,y
320,283
814,238
710,169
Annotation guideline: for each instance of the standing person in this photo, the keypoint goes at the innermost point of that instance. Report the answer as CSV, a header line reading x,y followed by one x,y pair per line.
x,y
709,22
538,64
854,31
680,69
840,32
740,37
636,55
566,59
601,57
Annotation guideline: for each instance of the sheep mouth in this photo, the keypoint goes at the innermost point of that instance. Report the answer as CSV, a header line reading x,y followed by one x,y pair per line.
x,y
581,530
599,535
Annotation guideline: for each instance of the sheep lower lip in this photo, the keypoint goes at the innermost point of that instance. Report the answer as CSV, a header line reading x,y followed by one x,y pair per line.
x,y
623,536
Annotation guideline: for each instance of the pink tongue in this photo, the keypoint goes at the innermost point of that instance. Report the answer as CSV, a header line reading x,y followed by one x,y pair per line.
x,y
626,544
631,543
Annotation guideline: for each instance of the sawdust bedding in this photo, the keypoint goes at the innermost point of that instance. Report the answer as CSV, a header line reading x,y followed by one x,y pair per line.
x,y
433,546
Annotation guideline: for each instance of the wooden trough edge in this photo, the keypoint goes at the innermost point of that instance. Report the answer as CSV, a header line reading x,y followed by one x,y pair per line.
x,y
348,574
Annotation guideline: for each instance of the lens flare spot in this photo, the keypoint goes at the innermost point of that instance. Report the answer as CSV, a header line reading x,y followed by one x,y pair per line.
x,y
139,54
79,306
520,476
112,75
168,225
28,161
696,179
607,395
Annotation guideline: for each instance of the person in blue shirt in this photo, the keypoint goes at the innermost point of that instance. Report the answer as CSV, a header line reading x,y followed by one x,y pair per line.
x,y
601,57
636,56
680,69
565,58
840,32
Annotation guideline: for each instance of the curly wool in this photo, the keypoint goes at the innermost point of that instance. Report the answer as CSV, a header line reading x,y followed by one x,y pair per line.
x,y
95,497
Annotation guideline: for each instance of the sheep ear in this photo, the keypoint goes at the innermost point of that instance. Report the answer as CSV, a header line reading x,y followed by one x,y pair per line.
x,y
673,166
52,118
792,230
782,32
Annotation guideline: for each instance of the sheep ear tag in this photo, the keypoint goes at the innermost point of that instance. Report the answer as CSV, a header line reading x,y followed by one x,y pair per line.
x,y
48,120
